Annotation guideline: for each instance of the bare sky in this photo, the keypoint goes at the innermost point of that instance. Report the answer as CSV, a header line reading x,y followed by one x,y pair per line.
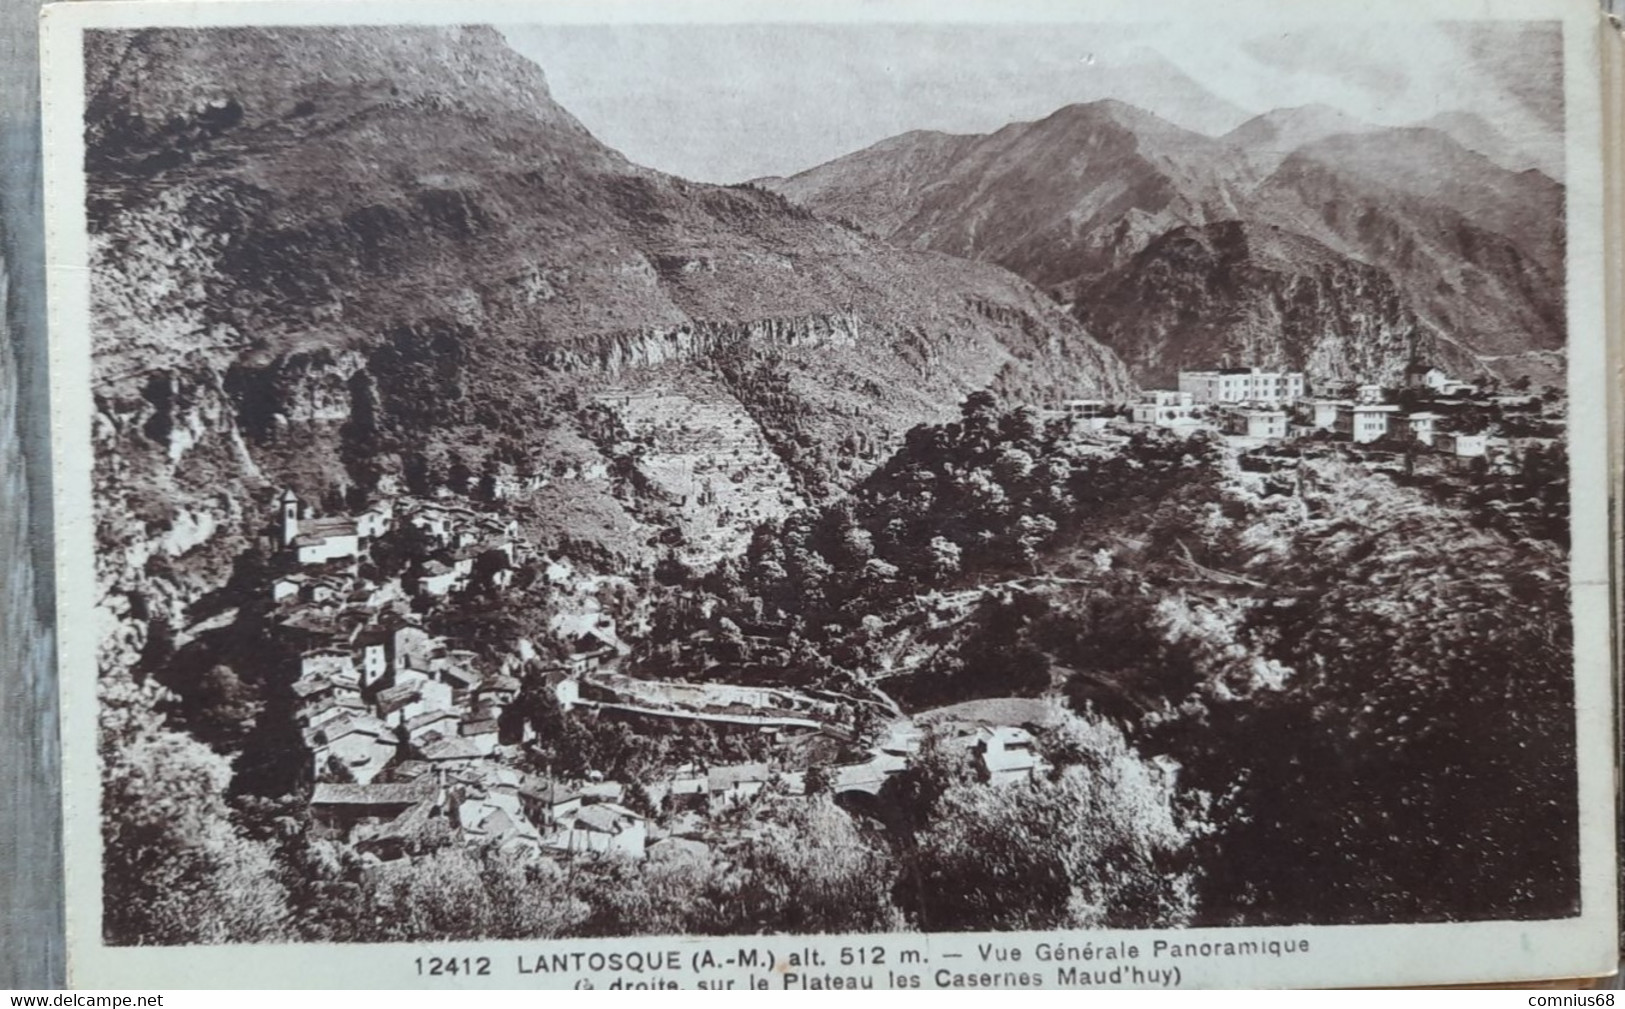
x,y
725,103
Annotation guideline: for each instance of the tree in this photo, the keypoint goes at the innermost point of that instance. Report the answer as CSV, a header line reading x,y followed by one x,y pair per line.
x,y
489,475
980,406
1418,765
408,543
459,477
158,648
1022,426
637,799
420,478
337,771
1100,845
537,707
818,781
1031,533
942,559
461,893
671,570
668,895
226,707
726,581
809,870
175,868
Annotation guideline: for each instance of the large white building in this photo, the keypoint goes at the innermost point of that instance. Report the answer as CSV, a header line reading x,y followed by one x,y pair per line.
x,y
1008,754
1163,407
1253,423
1420,426
1364,422
1088,414
1464,445
1242,385
1323,413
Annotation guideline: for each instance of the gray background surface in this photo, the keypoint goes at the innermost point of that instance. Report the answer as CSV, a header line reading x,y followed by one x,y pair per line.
x,y
31,937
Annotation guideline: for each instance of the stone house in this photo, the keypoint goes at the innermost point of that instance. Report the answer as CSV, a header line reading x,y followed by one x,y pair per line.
x,y
603,828
1007,754
340,808
318,540
1253,423
735,783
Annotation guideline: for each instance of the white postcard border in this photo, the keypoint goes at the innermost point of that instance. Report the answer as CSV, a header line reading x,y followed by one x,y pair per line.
x,y
1338,955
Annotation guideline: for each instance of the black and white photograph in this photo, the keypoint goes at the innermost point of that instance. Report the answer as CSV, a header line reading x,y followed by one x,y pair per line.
x,y
592,480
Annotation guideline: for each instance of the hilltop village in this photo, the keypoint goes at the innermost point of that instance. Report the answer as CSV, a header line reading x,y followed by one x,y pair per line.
x,y
410,743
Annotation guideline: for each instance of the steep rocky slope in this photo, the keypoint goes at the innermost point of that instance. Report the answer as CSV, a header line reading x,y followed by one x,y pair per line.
x,y
1235,293
1477,249
341,259
1058,200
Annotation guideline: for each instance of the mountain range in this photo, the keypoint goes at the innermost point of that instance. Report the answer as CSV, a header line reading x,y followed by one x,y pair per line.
x,y
1089,201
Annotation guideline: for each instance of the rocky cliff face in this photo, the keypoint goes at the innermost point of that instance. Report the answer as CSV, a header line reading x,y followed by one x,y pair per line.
x,y
617,354
1233,294
1476,250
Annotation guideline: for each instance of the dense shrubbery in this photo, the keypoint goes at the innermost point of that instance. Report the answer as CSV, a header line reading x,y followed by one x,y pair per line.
x,y
1376,687
1533,500
981,497
1417,762
176,867
1101,842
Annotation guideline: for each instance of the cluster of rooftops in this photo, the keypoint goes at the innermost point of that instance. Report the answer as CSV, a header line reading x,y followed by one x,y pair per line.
x,y
417,804
410,741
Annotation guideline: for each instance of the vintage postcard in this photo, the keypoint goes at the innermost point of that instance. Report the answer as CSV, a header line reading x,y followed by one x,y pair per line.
x,y
708,494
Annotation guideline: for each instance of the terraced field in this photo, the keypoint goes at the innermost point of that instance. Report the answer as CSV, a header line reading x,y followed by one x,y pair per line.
x,y
707,456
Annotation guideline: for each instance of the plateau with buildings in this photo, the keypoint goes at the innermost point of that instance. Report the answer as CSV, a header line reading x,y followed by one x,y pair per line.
x,y
1260,404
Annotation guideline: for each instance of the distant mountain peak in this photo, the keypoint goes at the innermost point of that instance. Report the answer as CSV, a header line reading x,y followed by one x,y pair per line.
x,y
1120,113
1284,130
1405,151
916,136
1430,232
1481,136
